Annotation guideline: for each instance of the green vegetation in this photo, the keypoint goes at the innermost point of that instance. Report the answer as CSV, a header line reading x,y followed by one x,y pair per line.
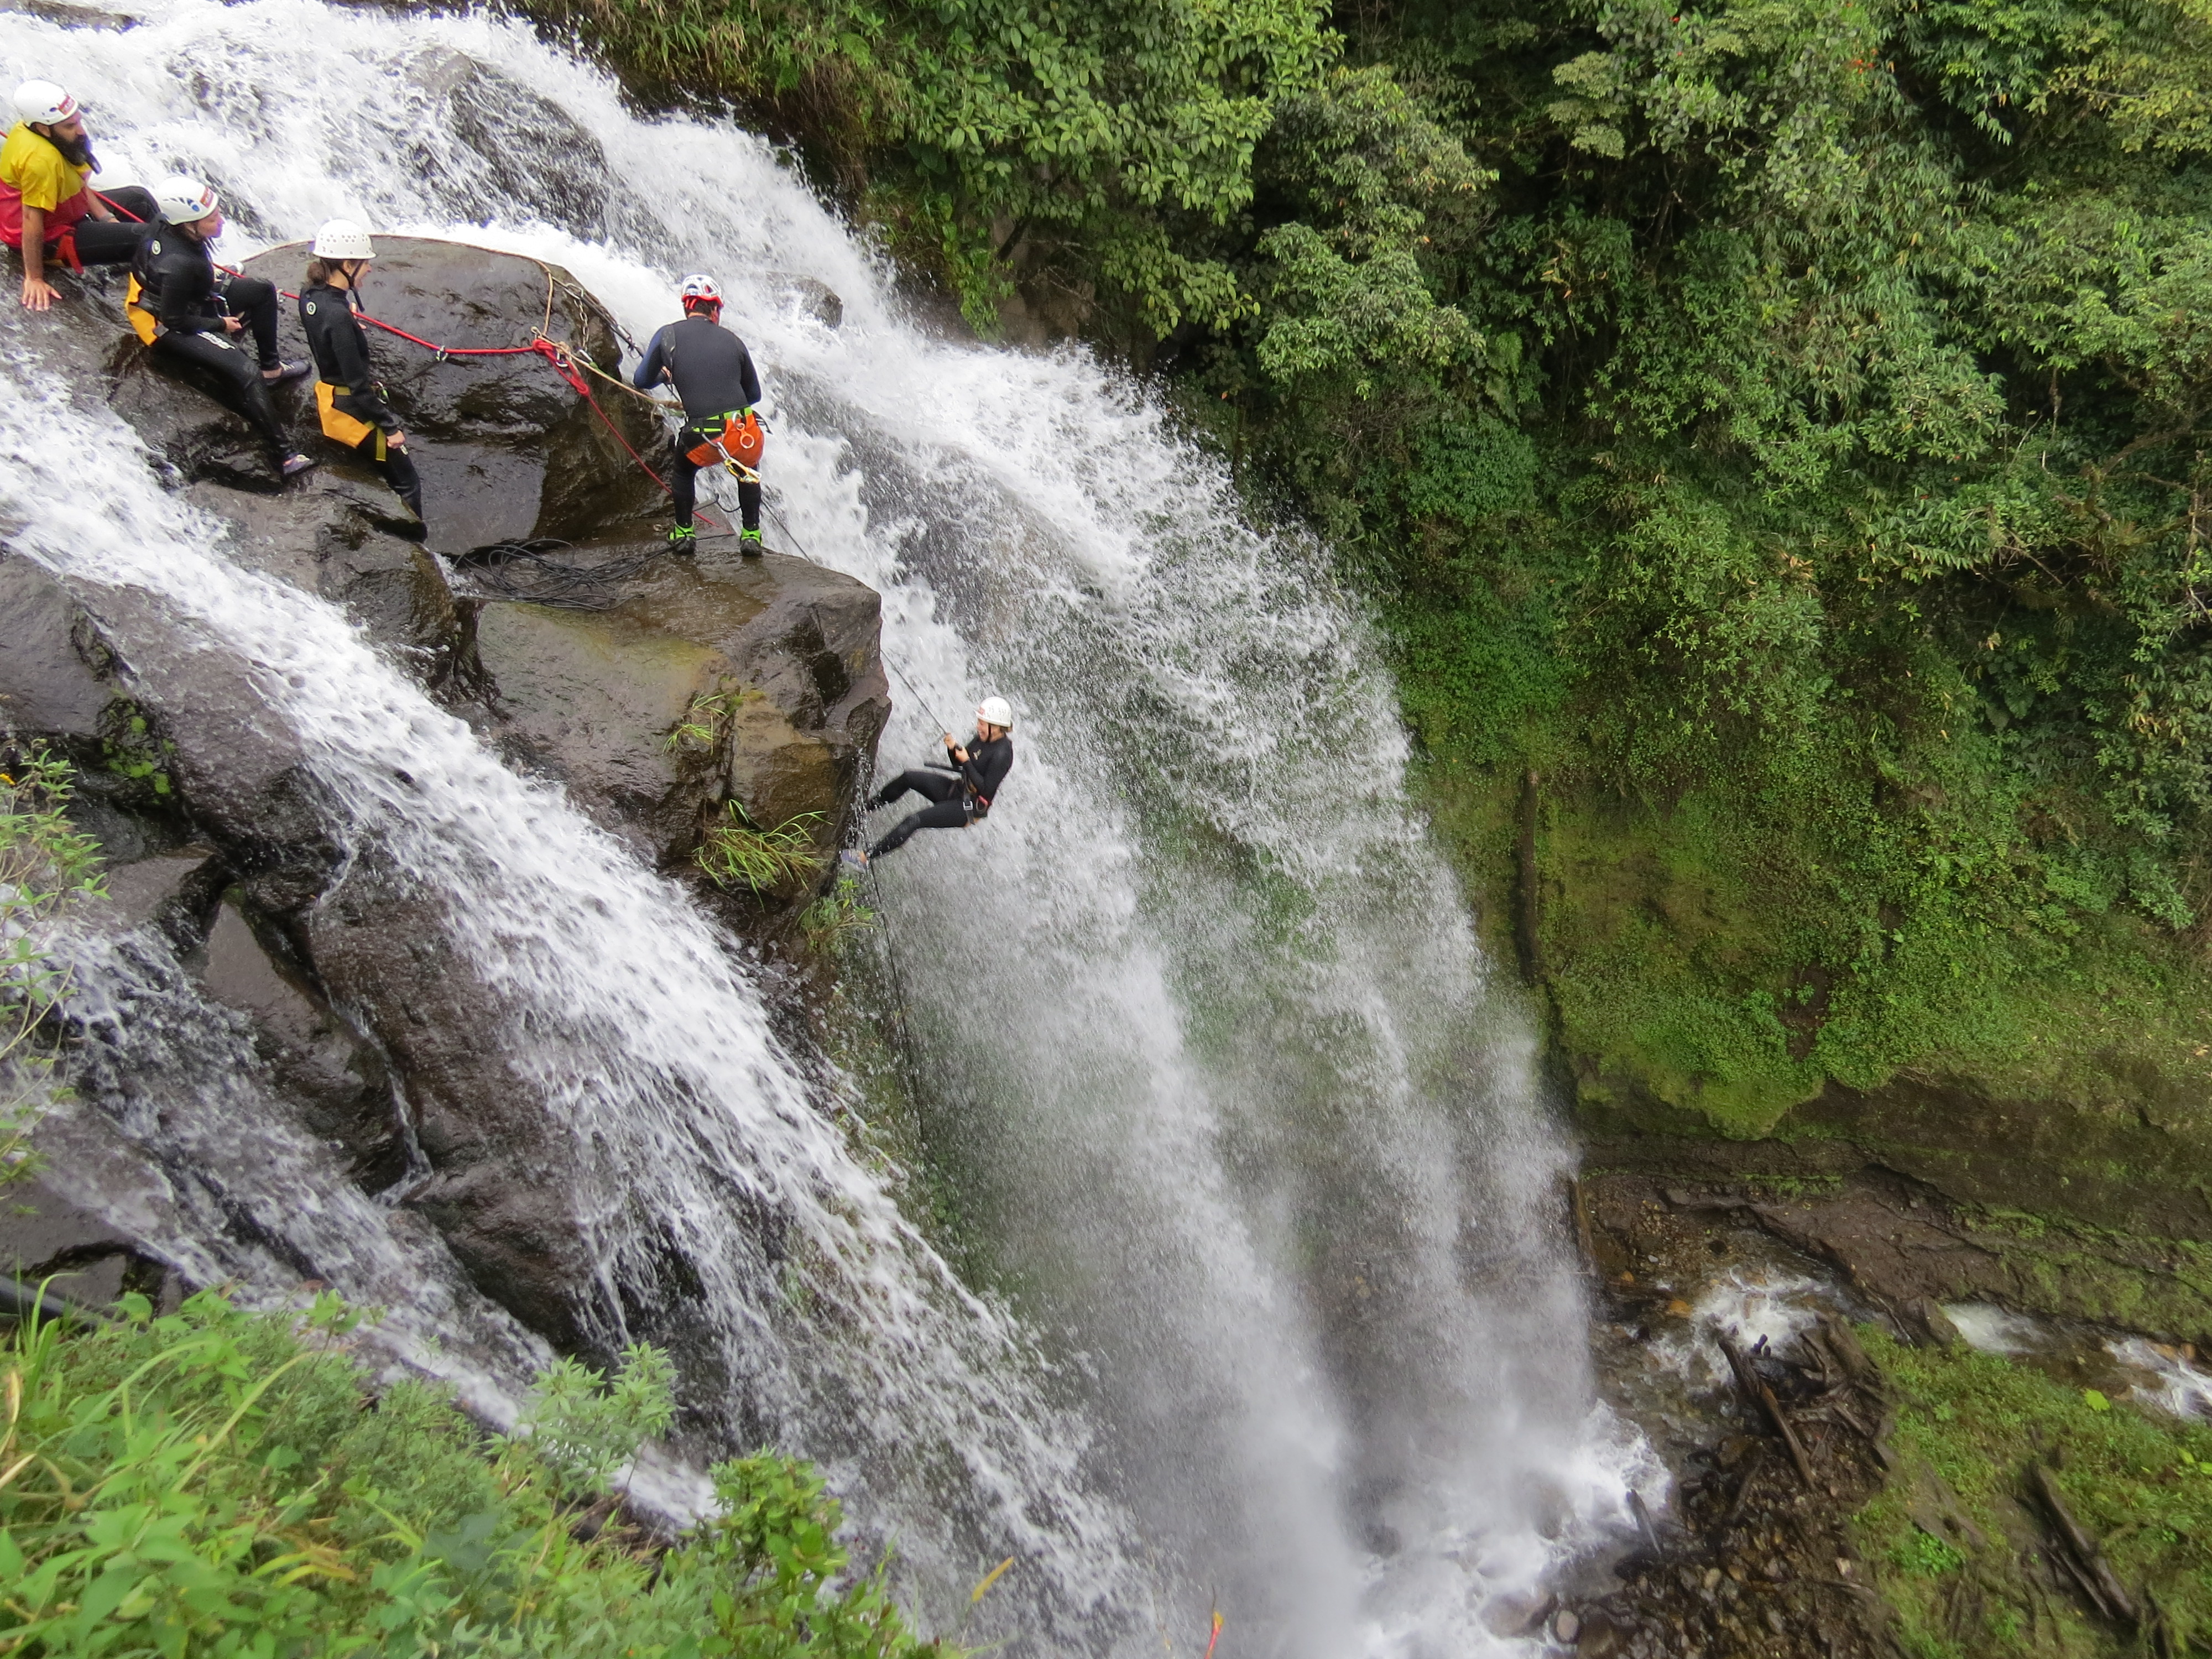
x,y
219,1483
1946,1535
1101,144
836,915
704,726
737,852
44,866
131,751
1779,426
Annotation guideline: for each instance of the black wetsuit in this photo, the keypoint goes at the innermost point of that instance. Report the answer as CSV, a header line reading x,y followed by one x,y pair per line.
x,y
962,796
341,352
713,373
179,287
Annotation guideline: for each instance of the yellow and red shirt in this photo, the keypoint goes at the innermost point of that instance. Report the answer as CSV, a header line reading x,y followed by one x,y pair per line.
x,y
34,174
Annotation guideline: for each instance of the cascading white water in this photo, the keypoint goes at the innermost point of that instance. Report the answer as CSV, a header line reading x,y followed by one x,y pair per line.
x,y
1199,1023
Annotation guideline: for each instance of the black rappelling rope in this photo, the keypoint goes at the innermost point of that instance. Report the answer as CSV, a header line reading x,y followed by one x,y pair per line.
x,y
527,570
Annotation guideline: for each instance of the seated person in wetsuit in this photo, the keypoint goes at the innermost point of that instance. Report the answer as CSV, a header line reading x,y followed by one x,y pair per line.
x,y
185,311
963,797
714,375
48,209
354,407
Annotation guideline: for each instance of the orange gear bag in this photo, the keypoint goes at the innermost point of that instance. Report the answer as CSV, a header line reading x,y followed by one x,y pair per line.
x,y
738,442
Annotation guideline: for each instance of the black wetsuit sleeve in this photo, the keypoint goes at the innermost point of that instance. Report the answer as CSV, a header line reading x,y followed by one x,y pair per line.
x,y
655,364
187,285
752,378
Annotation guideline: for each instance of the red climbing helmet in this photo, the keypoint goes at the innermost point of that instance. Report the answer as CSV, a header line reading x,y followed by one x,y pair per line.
x,y
701,290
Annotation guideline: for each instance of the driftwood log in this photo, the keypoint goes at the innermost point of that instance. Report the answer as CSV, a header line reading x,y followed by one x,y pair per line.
x,y
2090,1569
1762,1399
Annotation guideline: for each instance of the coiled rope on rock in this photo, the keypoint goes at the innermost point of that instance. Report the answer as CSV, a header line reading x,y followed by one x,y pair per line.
x,y
527,571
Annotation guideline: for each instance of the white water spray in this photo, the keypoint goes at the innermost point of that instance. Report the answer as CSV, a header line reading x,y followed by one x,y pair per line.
x,y
1200,1025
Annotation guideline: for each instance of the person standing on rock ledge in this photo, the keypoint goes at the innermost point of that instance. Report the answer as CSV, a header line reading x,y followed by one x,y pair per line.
x,y
713,373
183,311
964,798
48,208
350,398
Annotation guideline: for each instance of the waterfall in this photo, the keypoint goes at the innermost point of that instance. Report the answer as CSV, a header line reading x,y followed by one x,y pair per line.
x,y
1266,1304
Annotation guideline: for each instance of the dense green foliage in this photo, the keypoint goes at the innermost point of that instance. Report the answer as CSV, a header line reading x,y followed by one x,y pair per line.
x,y
1096,143
1948,1536
1801,474
1779,425
219,1483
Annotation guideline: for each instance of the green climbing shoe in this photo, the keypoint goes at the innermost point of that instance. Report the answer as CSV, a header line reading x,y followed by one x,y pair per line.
x,y
684,541
749,544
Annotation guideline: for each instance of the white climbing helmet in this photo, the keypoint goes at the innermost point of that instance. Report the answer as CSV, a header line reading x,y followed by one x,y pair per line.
x,y
41,103
341,239
184,200
996,711
704,288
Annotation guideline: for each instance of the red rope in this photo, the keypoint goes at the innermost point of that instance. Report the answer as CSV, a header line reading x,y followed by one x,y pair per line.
x,y
551,350
455,351
558,355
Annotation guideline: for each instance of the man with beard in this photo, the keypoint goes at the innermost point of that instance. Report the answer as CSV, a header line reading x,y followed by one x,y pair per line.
x,y
47,210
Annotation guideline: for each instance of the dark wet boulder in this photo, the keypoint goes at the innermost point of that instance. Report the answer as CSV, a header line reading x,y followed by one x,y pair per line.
x,y
181,413
503,1181
506,131
697,687
338,1083
507,449
49,687
710,680
349,541
809,296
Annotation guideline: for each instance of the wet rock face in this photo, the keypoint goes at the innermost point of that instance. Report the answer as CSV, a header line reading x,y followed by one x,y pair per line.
x,y
381,1041
713,679
347,541
506,449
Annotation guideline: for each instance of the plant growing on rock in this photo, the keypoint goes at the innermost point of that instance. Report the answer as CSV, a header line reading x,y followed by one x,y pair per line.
x,y
836,914
706,722
739,852
45,865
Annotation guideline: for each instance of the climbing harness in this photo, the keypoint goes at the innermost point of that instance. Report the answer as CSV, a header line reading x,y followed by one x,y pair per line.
x,y
734,440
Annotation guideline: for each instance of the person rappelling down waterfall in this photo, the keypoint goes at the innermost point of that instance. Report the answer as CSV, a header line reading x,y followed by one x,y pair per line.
x,y
48,209
712,374
183,310
353,405
962,791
